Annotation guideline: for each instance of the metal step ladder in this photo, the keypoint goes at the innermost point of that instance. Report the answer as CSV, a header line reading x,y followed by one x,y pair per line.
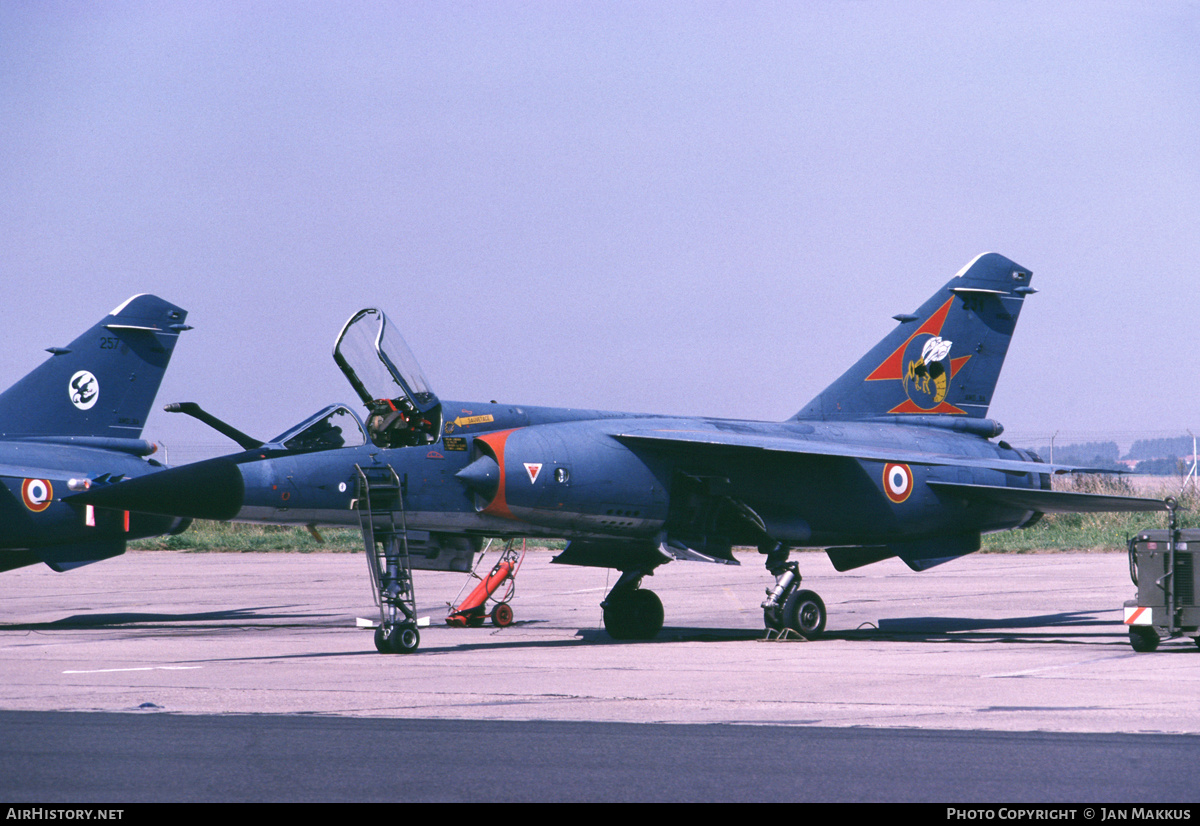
x,y
379,498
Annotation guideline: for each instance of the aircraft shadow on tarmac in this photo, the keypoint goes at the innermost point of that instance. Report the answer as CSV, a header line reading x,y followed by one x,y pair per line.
x,y
1071,627
937,626
273,615
1060,627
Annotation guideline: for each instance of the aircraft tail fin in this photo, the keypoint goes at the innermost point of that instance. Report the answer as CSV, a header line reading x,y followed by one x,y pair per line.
x,y
944,359
103,383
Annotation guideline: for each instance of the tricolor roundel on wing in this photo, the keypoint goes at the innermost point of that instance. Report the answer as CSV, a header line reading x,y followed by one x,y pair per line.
x,y
37,494
897,482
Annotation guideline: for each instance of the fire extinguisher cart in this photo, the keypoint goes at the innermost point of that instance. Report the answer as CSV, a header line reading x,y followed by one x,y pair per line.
x,y
498,586
1161,566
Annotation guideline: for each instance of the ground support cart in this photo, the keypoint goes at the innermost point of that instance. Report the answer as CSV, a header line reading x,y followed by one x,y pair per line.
x,y
1160,564
501,581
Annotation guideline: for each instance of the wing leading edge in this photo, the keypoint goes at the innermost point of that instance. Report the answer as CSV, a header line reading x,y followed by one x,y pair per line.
x,y
845,450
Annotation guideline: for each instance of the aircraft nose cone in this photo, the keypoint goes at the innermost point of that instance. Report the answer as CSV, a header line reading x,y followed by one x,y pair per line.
x,y
481,476
213,489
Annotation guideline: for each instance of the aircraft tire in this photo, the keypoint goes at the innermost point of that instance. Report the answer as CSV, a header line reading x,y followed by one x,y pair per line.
x,y
381,641
635,615
1143,639
804,613
615,621
502,615
404,639
772,619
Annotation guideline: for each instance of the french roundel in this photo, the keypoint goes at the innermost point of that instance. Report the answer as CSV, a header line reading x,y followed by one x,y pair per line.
x,y
37,494
897,482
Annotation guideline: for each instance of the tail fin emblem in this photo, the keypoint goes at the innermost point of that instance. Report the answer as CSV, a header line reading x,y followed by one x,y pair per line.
x,y
922,364
84,390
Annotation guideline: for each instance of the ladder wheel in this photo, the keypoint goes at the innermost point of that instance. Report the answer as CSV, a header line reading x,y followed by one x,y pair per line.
x,y
381,641
404,638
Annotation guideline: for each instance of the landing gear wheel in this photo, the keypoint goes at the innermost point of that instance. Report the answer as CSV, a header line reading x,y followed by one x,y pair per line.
x,y
634,615
1143,639
404,639
647,615
381,642
773,619
804,613
502,615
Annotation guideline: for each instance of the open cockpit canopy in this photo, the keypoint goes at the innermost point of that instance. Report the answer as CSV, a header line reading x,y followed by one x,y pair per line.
x,y
401,408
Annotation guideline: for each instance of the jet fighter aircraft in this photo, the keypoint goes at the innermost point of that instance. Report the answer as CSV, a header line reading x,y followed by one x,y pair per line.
x,y
77,420
895,459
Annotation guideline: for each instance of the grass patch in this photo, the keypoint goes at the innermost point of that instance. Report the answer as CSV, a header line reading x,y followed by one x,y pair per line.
x,y
231,537
204,536
1094,531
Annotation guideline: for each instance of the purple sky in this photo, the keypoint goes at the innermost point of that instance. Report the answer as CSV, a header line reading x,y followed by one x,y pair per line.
x,y
693,208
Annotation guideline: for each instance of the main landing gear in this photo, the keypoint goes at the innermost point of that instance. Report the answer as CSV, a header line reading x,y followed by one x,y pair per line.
x,y
787,606
631,612
635,613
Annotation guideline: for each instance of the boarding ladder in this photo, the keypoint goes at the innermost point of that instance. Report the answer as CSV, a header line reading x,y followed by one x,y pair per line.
x,y
380,498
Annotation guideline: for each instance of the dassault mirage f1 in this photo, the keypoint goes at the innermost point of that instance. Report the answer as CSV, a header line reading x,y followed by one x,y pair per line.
x,y
895,459
77,420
